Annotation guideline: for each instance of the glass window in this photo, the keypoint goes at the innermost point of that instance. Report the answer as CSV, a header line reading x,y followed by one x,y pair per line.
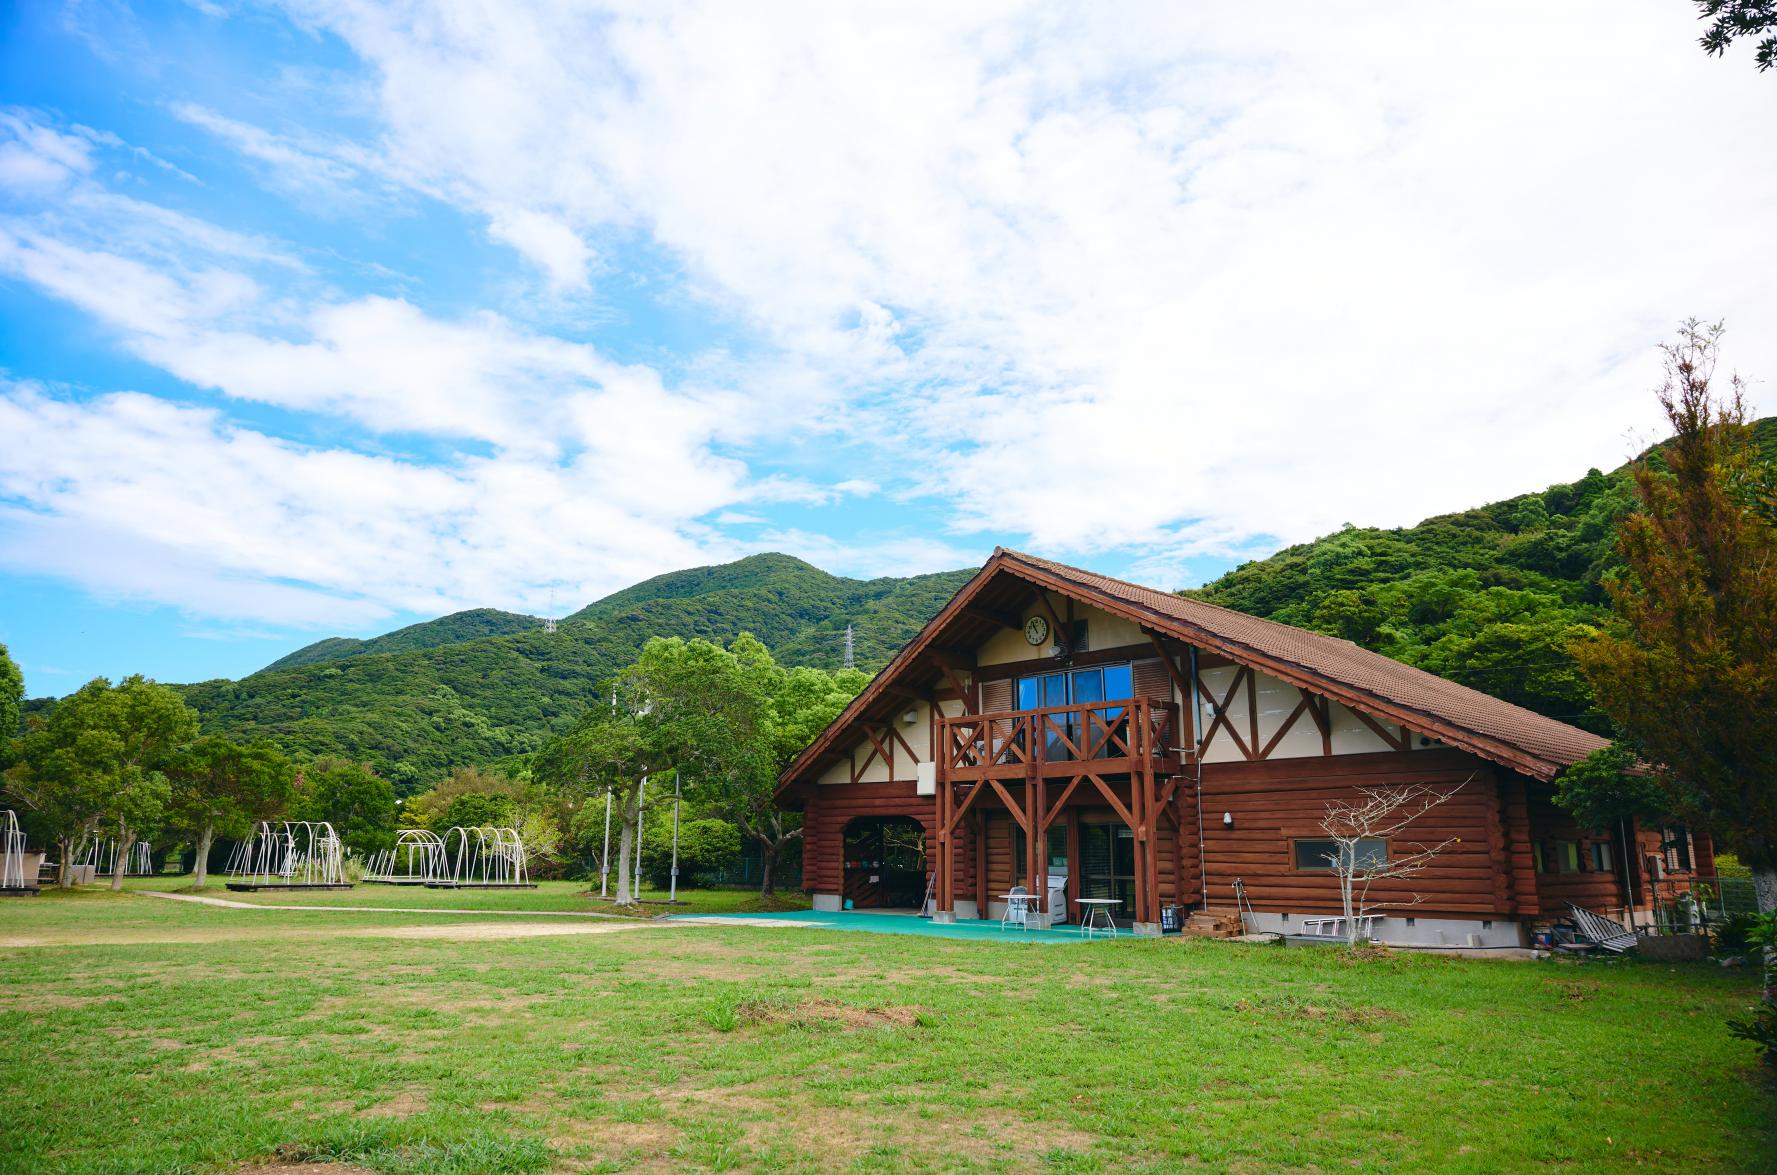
x,y
1601,856
1539,856
1370,852
1569,851
1117,684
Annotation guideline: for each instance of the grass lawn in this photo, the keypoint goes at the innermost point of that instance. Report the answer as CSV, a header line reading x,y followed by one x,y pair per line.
x,y
141,1035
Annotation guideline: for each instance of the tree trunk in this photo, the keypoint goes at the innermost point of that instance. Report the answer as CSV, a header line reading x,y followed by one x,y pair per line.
x,y
624,841
126,841
768,851
1764,888
201,869
65,867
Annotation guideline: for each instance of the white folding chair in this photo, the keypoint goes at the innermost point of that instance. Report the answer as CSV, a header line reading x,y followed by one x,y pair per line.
x,y
1017,909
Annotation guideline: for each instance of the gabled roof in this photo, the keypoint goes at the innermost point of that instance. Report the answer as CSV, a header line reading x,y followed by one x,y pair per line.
x,y
1380,686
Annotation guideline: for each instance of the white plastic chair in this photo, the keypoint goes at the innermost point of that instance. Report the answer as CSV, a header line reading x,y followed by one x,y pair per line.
x,y
1018,909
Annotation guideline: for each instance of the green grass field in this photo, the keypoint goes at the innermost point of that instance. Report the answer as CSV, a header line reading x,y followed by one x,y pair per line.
x,y
143,1035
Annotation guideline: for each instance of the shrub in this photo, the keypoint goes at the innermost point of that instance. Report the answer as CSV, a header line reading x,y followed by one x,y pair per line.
x,y
705,847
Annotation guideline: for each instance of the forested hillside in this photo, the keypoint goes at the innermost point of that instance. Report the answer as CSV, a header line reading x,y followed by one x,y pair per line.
x,y
416,703
1490,597
446,630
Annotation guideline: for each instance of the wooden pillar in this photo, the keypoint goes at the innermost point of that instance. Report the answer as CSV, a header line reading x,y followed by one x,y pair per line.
x,y
1037,801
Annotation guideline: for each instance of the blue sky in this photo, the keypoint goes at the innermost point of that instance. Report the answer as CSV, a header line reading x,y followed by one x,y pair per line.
x,y
323,317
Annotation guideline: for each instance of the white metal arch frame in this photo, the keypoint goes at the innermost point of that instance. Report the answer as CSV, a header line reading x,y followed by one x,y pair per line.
x,y
12,856
417,859
484,858
289,854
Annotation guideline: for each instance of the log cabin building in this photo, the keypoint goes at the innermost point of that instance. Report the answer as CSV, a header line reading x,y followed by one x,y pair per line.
x,y
1085,737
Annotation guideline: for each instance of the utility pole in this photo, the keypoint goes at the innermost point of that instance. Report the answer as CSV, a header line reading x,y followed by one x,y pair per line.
x,y
672,893
641,810
605,860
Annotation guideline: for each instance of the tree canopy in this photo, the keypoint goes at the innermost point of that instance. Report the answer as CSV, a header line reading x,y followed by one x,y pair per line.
x,y
1688,668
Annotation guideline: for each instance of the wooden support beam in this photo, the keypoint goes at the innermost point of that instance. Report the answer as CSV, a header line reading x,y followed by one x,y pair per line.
x,y
964,693
949,658
997,616
916,693
1400,743
1012,805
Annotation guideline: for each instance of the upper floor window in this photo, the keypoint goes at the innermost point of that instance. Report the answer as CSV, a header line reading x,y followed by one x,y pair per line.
x,y
1075,687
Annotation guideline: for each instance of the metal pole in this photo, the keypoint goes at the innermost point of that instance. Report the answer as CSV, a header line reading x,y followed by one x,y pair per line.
x,y
672,894
605,861
641,810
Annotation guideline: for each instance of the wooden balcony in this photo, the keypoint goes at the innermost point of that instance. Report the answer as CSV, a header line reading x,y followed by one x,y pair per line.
x,y
1103,738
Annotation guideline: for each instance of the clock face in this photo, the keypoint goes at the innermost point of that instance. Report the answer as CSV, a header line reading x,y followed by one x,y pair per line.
x,y
1035,629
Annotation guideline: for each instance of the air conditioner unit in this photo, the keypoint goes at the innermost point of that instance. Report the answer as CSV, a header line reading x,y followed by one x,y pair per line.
x,y
925,779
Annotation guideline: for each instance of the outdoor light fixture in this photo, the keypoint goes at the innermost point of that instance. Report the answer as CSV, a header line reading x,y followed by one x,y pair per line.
x,y
1227,820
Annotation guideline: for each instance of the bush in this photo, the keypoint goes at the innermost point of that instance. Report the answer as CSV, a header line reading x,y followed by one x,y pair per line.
x,y
474,810
705,847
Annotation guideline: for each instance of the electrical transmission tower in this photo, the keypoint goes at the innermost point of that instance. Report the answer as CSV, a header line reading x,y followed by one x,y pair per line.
x,y
849,660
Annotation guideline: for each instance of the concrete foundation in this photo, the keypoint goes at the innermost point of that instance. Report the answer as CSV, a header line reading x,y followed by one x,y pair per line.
x,y
827,903
1405,930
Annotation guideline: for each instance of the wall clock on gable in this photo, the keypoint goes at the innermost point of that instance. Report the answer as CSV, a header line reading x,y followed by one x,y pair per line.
x,y
1036,630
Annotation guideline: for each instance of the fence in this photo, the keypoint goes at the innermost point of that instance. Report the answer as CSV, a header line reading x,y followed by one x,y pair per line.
x,y
1698,903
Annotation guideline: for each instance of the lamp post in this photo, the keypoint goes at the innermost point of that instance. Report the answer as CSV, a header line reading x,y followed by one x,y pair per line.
x,y
641,810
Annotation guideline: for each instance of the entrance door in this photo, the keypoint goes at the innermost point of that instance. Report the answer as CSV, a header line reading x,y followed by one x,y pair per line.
x,y
885,863
1107,865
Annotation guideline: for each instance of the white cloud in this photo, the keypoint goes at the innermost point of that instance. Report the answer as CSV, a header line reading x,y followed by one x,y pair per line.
x,y
134,497
1172,268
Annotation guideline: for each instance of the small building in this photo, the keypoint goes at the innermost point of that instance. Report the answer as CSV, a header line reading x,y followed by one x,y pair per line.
x,y
1084,737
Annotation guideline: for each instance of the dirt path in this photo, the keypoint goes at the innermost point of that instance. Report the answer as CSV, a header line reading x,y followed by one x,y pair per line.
x,y
233,905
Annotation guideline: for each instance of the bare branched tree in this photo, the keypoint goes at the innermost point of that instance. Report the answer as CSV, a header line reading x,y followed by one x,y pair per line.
x,y
1381,814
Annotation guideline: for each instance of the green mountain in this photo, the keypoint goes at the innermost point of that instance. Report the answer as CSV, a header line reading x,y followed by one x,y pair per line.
x,y
1490,597
446,630
417,702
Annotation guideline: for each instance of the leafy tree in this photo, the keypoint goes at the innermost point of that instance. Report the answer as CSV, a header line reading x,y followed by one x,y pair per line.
x,y
12,693
352,798
474,810
1608,787
705,846
605,753
219,785
97,762
1732,19
1689,670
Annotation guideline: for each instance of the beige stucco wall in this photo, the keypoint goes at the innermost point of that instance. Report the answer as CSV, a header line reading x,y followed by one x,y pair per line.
x,y
1276,699
1103,631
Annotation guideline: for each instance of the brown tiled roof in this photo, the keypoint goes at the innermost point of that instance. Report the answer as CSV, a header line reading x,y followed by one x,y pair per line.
x,y
1422,702
1332,660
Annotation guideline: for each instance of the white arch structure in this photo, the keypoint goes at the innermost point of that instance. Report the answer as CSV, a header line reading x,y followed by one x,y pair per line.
x,y
484,858
289,854
417,859
12,855
101,854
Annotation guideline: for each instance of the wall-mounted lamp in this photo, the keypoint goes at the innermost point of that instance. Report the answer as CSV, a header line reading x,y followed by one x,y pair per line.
x,y
1227,820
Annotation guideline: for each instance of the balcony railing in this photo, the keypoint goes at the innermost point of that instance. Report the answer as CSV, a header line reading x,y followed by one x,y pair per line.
x,y
1107,736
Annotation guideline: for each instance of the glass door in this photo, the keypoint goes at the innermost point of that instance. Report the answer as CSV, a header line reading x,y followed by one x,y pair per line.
x,y
1107,866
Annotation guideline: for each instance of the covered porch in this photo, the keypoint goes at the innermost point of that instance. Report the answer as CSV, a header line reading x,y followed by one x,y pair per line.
x,y
1071,803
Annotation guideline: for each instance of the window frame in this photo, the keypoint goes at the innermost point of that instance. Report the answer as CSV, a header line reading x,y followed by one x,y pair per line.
x,y
1295,851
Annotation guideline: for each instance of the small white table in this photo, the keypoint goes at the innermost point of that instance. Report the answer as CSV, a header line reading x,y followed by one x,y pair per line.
x,y
1095,915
